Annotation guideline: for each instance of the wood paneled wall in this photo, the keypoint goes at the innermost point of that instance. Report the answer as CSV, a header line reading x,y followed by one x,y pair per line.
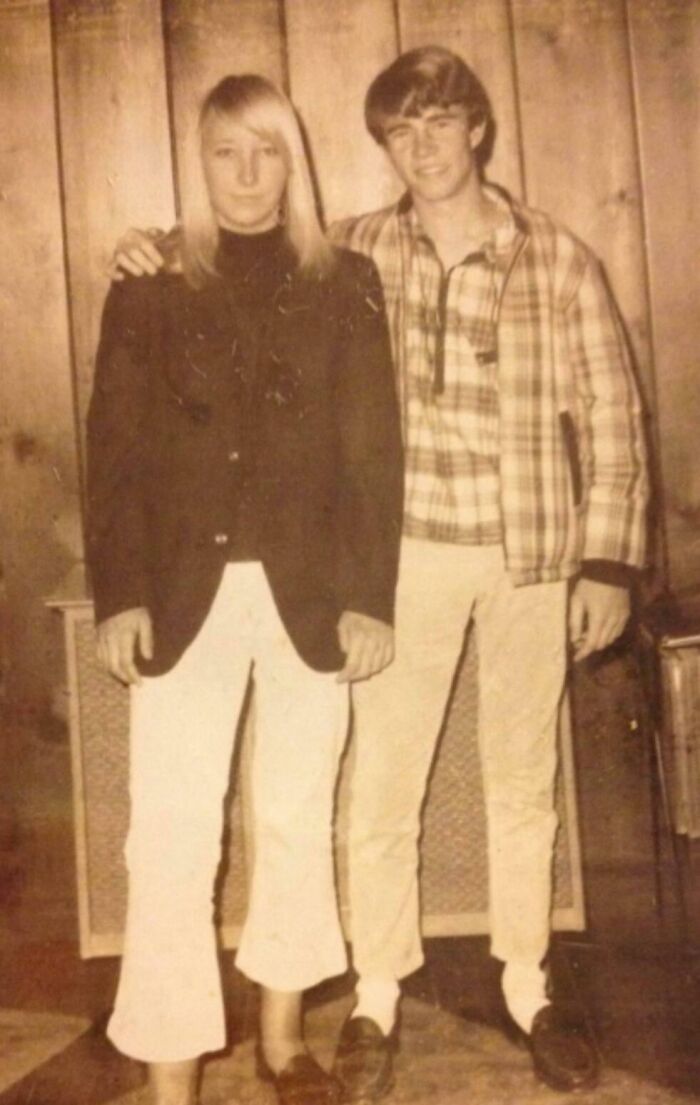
x,y
597,103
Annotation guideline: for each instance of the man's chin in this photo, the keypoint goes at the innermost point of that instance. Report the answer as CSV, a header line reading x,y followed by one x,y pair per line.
x,y
432,190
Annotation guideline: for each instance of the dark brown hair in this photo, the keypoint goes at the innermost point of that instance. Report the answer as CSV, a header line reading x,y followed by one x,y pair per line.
x,y
429,76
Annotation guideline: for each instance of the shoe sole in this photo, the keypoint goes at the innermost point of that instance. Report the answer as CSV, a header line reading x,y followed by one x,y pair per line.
x,y
369,1099
565,1087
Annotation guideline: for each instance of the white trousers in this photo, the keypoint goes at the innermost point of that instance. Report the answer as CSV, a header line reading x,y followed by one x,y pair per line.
x,y
398,716
169,1003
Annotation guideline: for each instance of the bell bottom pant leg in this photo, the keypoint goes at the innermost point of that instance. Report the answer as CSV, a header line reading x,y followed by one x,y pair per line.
x,y
521,634
398,715
169,1004
292,938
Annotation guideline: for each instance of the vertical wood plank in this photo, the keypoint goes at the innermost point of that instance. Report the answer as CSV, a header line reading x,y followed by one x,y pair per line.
x,y
39,517
666,59
480,33
208,39
580,154
115,146
334,52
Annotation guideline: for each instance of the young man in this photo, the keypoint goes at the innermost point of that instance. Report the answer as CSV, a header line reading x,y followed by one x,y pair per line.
x,y
525,512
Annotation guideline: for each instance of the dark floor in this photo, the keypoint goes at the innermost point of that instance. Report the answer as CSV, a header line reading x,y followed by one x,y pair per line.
x,y
634,975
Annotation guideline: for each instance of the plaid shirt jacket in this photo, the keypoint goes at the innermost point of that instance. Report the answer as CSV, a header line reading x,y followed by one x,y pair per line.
x,y
573,475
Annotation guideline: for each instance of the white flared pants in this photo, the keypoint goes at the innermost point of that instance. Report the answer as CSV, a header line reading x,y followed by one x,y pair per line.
x,y
169,1004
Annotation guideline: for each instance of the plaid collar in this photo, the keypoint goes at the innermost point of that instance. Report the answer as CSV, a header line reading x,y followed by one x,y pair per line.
x,y
497,247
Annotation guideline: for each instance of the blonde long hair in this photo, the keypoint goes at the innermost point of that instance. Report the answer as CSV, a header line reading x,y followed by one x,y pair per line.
x,y
257,103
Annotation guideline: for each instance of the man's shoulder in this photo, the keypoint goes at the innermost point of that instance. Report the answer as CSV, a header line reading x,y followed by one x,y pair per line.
x,y
362,232
556,258
552,234
141,306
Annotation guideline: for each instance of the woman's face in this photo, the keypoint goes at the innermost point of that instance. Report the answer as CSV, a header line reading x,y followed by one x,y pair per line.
x,y
246,175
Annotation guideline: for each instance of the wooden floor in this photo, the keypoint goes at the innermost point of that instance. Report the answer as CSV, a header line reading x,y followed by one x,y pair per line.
x,y
444,1060
634,975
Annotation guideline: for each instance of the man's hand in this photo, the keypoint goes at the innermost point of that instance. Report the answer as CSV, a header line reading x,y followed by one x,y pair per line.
x,y
368,645
137,252
116,643
598,612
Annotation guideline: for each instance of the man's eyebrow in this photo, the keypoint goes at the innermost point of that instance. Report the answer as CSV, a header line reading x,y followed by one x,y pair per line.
x,y
434,111
397,124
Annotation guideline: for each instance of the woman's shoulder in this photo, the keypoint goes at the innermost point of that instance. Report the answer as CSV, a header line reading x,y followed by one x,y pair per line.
x,y
148,293
146,286
351,261
350,289
138,308
352,272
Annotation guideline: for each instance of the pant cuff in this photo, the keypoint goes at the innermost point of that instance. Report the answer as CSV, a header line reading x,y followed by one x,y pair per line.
x,y
384,970
284,977
177,1051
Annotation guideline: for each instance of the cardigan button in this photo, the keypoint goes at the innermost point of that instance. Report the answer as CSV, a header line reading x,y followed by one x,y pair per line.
x,y
221,539
234,456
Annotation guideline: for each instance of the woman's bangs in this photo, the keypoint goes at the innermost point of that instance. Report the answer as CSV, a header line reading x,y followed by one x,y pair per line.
x,y
274,137
267,119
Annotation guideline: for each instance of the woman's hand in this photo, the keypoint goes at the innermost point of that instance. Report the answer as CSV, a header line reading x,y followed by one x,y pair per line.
x,y
368,645
117,638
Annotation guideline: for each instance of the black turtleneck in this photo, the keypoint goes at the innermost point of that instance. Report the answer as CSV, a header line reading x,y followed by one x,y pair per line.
x,y
253,267
247,249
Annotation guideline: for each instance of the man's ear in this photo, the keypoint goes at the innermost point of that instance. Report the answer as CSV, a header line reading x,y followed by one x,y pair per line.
x,y
476,134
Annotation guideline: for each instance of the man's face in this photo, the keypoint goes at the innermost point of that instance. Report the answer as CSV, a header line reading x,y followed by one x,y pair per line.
x,y
246,176
433,153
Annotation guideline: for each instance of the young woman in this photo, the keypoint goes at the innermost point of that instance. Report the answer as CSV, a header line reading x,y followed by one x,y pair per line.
x,y
244,482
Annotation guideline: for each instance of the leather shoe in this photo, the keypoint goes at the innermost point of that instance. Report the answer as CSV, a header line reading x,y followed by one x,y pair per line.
x,y
364,1061
562,1056
301,1082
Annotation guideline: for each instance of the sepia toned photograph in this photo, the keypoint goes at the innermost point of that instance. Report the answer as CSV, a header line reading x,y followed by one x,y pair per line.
x,y
349,552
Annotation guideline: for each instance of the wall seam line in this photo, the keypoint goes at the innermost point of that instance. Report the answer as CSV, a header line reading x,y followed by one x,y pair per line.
x,y
284,47
67,280
661,527
166,40
512,38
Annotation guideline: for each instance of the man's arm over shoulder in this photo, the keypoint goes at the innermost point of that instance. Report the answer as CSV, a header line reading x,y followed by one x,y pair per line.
x,y
145,253
361,233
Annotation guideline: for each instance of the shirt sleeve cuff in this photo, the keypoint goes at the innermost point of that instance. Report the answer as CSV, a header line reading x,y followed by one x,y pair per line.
x,y
613,572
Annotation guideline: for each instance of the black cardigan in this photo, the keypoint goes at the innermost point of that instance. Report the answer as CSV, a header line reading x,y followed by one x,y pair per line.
x,y
167,427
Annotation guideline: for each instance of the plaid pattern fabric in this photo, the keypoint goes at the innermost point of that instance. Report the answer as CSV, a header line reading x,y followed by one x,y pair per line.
x,y
450,392
562,361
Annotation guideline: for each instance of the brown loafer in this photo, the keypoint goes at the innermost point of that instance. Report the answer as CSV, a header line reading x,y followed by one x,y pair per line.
x,y
302,1082
364,1061
562,1055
